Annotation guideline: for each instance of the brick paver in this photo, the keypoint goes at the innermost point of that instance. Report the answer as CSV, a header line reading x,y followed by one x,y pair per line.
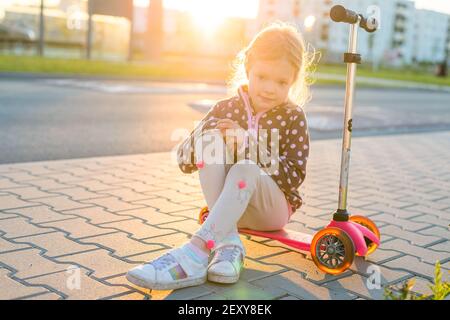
x,y
96,218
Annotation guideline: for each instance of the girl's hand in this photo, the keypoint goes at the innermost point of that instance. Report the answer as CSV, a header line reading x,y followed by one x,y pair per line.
x,y
225,124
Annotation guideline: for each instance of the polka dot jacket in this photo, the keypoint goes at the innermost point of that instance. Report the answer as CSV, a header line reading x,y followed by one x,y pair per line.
x,y
289,121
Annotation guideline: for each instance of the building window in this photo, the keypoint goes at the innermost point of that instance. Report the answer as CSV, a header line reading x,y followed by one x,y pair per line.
x,y
397,43
400,17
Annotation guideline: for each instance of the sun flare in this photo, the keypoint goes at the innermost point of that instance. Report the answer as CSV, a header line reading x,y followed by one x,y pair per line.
x,y
208,15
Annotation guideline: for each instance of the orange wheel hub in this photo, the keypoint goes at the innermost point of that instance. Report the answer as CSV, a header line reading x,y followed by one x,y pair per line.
x,y
332,250
203,214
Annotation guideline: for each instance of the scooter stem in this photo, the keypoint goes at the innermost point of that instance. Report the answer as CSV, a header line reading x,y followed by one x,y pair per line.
x,y
351,58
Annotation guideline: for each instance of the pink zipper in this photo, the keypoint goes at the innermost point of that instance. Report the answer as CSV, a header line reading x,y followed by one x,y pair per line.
x,y
252,122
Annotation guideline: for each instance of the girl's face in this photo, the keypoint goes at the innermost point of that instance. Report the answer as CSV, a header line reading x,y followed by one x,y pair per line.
x,y
269,82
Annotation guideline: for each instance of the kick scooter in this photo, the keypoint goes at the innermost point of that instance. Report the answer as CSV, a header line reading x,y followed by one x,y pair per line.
x,y
333,248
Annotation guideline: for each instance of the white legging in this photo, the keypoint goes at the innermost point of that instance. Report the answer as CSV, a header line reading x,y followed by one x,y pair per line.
x,y
239,195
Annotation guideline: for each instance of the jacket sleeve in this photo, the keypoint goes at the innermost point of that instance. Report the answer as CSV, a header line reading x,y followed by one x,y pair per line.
x,y
185,151
294,152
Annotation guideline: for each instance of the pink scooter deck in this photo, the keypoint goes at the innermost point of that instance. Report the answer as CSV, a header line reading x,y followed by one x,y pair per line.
x,y
294,239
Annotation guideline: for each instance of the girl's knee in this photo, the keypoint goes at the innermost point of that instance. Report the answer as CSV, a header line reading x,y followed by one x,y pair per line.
x,y
210,147
246,167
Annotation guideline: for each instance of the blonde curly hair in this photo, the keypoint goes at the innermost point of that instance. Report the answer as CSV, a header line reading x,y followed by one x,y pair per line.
x,y
279,40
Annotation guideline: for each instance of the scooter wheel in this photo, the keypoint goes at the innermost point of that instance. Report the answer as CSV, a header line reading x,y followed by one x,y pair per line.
x,y
369,224
203,215
332,250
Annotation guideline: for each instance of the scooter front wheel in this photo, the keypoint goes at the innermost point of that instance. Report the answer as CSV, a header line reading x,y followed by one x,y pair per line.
x,y
332,250
369,224
203,215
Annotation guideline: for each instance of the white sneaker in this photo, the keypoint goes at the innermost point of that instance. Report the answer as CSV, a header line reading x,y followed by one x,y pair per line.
x,y
226,265
172,270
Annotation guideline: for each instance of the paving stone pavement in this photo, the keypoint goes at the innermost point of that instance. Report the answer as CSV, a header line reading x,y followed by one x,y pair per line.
x,y
71,229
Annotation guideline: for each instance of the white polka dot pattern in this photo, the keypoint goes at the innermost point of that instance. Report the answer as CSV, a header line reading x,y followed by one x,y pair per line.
x,y
288,121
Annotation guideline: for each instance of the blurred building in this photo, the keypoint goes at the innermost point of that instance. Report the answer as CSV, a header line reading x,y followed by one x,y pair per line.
x,y
392,44
406,35
65,24
271,10
431,32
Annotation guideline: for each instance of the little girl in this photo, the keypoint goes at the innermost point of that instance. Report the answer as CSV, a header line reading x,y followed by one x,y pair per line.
x,y
246,193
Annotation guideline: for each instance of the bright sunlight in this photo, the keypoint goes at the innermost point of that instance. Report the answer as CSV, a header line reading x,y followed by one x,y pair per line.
x,y
210,14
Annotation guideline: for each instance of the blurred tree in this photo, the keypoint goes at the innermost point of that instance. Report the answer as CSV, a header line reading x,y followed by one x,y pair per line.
x,y
155,30
41,29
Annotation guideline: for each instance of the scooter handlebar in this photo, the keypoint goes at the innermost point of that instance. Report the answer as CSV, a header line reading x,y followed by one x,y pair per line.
x,y
339,14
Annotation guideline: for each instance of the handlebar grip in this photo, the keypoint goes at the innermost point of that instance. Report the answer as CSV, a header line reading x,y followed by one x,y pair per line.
x,y
339,14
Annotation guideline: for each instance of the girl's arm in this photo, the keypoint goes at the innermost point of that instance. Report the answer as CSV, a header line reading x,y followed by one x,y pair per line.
x,y
185,152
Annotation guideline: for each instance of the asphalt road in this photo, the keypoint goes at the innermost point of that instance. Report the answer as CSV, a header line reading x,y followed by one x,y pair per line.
x,y
47,119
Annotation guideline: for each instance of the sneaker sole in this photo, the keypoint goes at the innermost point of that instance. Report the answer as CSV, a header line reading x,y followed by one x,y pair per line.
x,y
222,279
169,286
